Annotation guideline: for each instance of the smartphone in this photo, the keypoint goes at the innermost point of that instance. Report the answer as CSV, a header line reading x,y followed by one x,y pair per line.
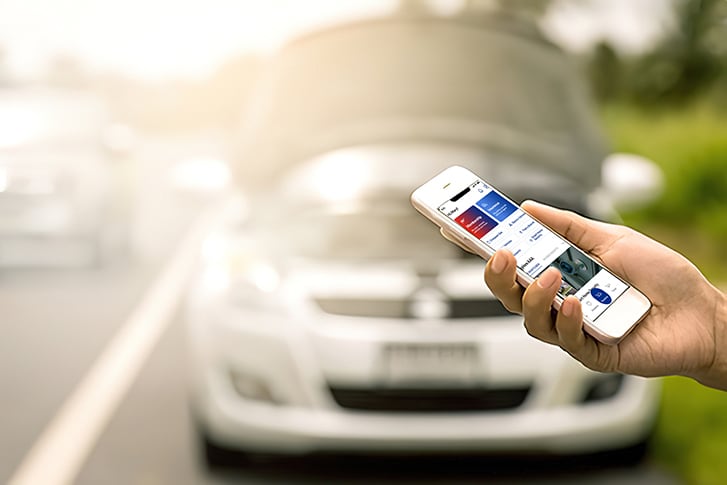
x,y
485,220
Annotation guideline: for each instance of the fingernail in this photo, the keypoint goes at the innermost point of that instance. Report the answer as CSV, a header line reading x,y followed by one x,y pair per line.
x,y
548,278
532,203
498,263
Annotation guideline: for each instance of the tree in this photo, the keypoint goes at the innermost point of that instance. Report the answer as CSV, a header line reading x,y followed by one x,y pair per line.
x,y
689,60
605,72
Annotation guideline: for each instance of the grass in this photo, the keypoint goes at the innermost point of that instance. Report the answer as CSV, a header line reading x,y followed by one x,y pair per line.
x,y
690,146
691,434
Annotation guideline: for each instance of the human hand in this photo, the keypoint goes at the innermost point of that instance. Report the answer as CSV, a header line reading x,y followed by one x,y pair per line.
x,y
682,334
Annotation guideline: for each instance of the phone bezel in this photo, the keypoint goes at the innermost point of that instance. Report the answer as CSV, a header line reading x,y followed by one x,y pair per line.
x,y
611,326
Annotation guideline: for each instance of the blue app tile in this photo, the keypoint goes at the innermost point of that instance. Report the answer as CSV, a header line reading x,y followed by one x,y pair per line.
x,y
496,206
601,296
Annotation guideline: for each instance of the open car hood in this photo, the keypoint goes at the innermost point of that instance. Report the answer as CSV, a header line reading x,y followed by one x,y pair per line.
x,y
412,79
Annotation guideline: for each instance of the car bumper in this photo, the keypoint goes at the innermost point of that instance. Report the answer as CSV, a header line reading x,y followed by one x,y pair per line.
x,y
297,364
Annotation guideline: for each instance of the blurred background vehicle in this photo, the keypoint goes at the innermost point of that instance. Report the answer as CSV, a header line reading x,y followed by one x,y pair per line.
x,y
329,315
64,196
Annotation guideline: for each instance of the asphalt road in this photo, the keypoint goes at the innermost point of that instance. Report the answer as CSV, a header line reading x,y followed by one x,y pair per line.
x,y
55,322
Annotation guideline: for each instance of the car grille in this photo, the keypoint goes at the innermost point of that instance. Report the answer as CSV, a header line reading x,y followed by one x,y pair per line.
x,y
403,308
428,400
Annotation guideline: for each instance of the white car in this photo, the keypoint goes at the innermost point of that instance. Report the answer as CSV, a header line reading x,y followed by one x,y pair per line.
x,y
62,197
330,316
349,324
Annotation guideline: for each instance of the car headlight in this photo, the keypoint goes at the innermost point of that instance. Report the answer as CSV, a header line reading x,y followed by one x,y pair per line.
x,y
256,289
246,281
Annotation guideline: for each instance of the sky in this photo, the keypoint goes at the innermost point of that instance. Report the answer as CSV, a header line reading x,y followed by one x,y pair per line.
x,y
160,39
630,25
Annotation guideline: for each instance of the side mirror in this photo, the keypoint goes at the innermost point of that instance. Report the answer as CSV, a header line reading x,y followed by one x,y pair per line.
x,y
631,181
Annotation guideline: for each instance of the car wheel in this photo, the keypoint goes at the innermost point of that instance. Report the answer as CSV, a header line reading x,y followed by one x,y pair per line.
x,y
629,456
215,456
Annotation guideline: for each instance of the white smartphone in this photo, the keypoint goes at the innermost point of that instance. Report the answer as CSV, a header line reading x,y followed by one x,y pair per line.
x,y
485,220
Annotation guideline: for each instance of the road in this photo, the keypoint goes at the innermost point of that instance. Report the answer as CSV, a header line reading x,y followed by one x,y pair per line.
x,y
57,322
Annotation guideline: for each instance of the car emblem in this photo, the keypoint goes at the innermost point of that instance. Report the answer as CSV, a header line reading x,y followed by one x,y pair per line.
x,y
429,303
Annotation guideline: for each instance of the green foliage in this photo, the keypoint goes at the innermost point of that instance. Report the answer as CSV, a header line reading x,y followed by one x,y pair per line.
x,y
670,106
688,61
690,146
691,436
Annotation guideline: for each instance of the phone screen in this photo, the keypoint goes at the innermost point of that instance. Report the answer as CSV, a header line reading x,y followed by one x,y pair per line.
x,y
499,223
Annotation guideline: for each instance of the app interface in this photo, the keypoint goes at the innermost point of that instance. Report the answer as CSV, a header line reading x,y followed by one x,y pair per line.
x,y
499,223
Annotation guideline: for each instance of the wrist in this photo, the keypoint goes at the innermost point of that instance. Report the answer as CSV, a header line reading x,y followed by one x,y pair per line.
x,y
714,373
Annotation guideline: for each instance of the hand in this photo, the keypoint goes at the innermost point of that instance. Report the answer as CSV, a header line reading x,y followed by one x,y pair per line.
x,y
682,334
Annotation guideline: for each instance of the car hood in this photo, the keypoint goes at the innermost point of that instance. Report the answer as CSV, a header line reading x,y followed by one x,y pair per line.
x,y
411,80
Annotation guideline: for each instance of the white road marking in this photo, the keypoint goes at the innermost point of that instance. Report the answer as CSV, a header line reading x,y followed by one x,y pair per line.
x,y
58,455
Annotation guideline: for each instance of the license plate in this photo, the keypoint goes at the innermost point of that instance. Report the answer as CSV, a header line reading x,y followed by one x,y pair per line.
x,y
431,362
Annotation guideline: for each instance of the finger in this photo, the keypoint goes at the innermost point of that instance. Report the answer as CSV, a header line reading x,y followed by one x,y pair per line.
x,y
537,301
587,234
500,277
449,237
569,328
